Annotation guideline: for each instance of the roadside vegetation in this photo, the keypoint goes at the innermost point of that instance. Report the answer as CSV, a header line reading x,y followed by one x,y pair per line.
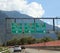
x,y
27,40
4,49
6,52
58,35
30,40
1,49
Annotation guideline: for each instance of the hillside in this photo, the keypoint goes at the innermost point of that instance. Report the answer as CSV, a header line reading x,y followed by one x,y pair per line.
x,y
15,14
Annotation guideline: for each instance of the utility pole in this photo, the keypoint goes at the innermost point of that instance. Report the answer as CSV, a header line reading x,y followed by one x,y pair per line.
x,y
53,24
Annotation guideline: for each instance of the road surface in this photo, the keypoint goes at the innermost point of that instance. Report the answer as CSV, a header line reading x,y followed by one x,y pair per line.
x,y
28,50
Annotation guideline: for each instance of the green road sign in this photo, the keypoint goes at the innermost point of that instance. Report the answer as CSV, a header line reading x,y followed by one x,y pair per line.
x,y
16,28
40,28
32,28
28,28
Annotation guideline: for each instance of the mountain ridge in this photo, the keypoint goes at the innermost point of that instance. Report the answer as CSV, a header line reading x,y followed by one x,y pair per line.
x,y
15,14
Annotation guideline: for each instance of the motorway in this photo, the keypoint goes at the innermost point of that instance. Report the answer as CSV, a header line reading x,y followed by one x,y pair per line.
x,y
28,50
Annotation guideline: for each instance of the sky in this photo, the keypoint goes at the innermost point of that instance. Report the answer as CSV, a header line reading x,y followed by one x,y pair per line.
x,y
34,8
51,7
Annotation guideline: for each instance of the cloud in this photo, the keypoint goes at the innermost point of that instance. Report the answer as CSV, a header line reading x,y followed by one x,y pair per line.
x,y
58,25
33,9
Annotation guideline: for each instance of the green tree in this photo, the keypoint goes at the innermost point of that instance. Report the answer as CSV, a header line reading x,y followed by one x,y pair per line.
x,y
46,39
58,35
27,40
12,42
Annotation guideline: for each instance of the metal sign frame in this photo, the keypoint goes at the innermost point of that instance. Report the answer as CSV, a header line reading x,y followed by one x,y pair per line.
x,y
35,19
53,19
